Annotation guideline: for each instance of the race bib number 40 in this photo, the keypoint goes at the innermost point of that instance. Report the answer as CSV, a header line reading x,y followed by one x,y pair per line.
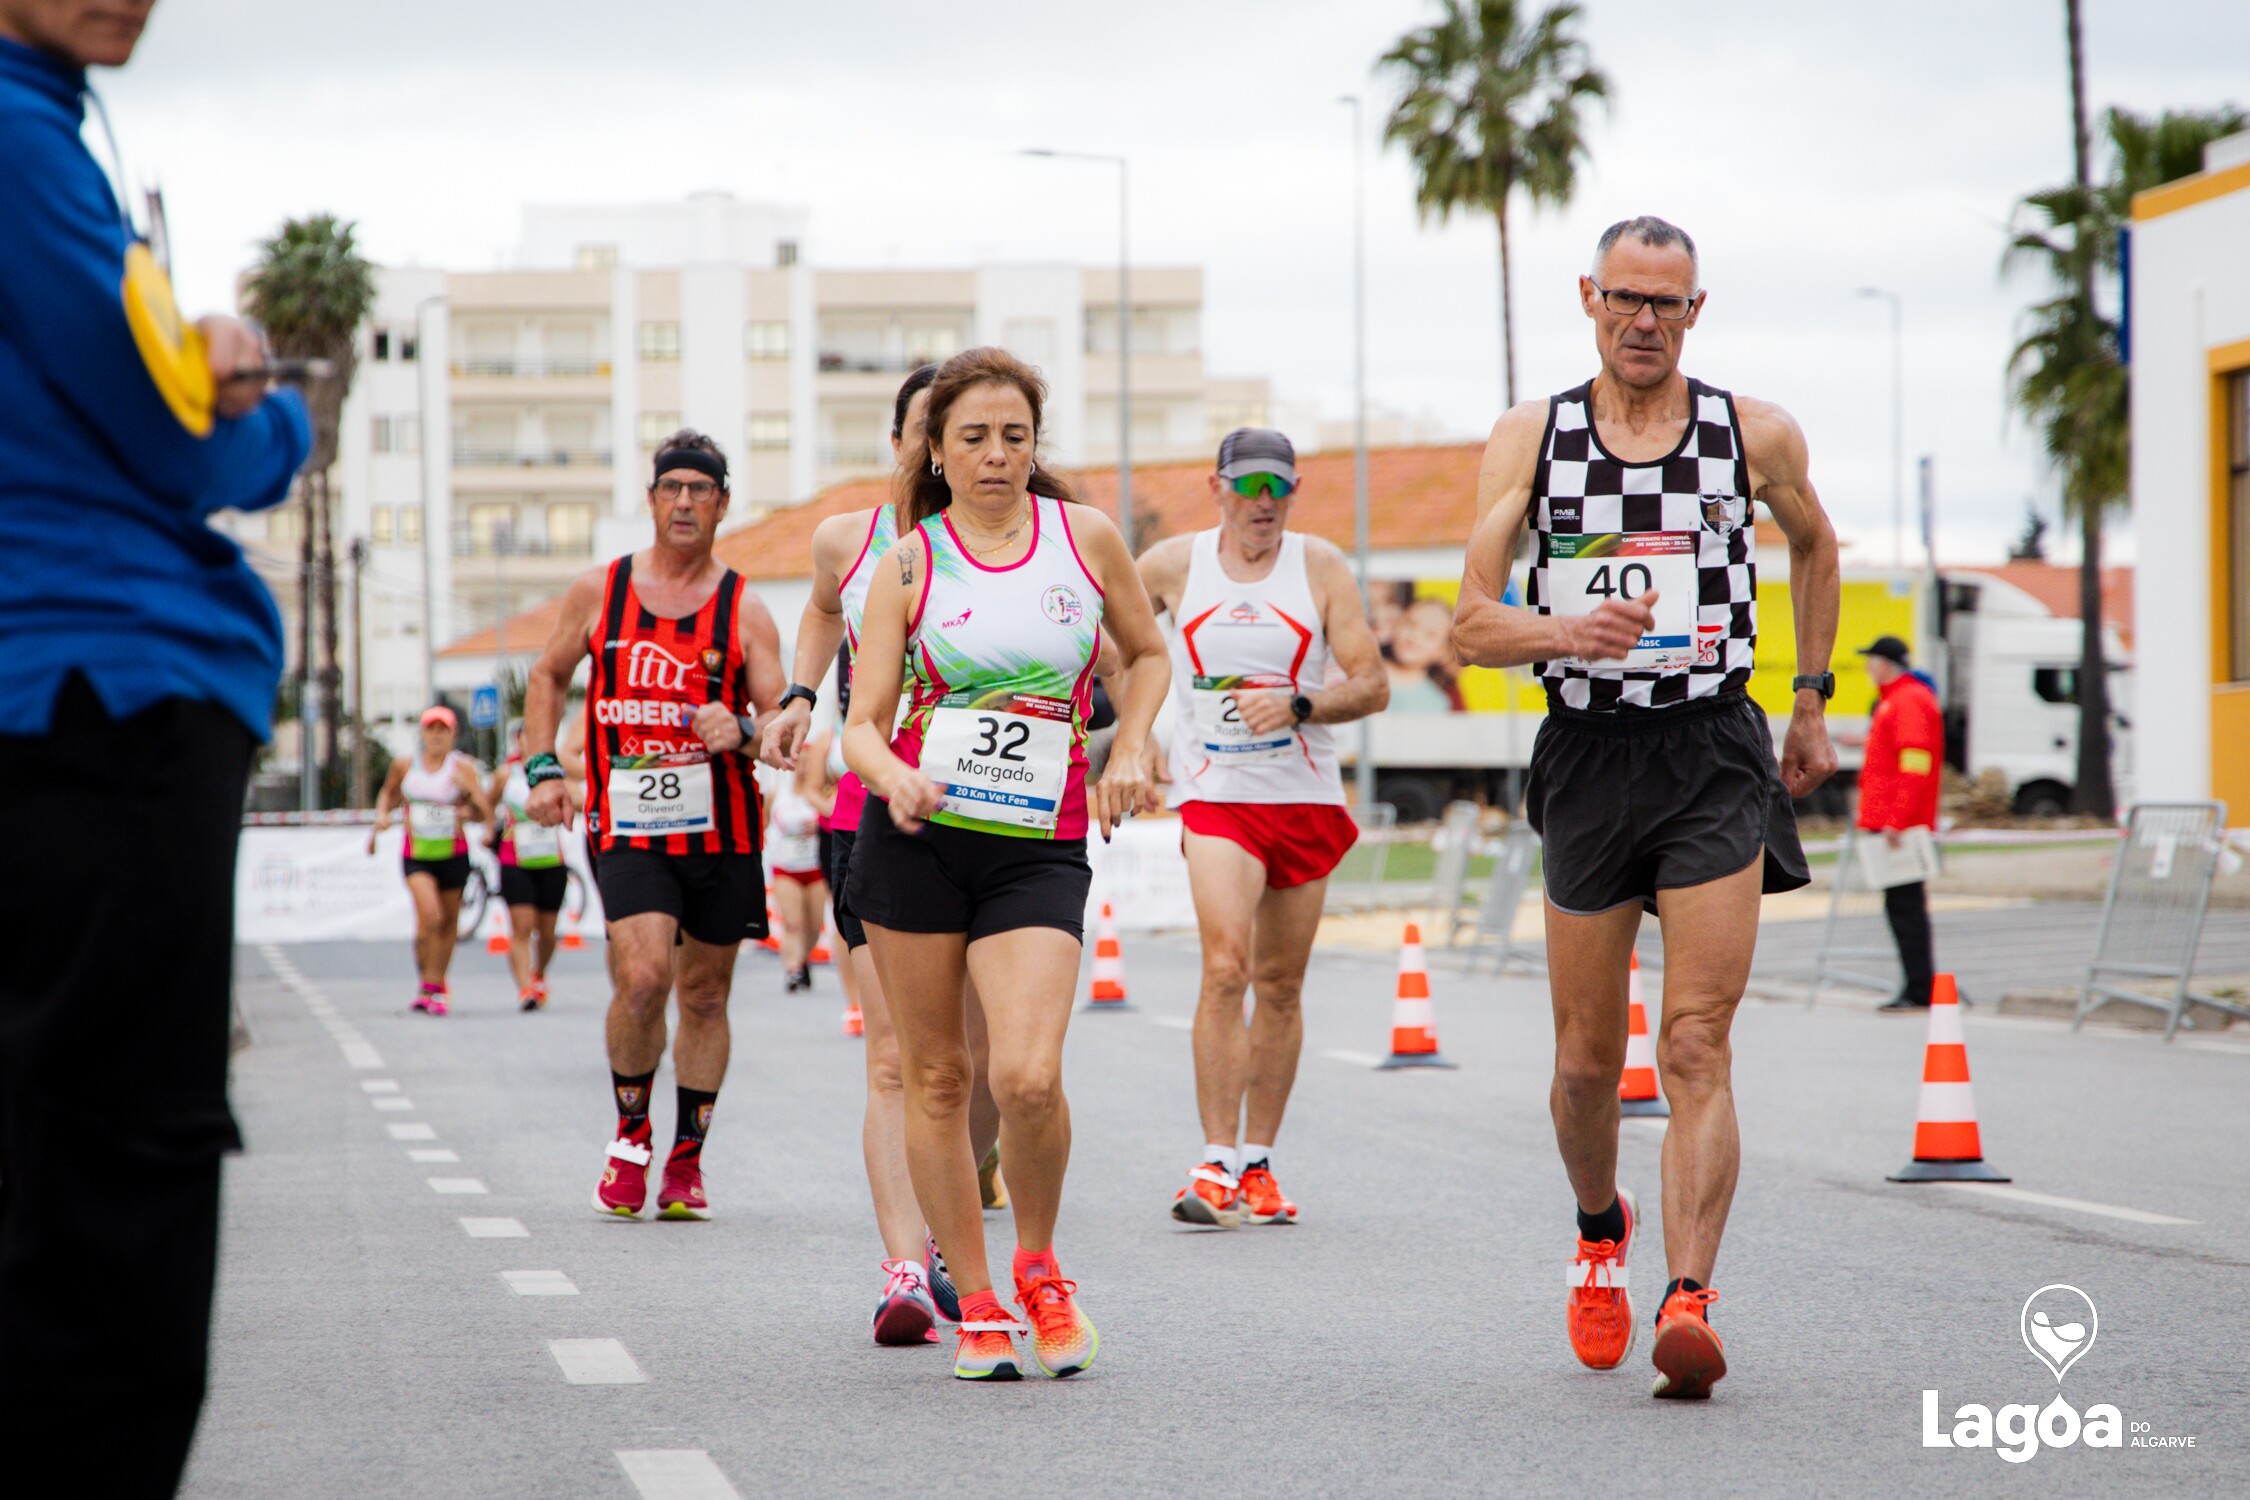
x,y
1001,764
1587,570
1218,720
664,794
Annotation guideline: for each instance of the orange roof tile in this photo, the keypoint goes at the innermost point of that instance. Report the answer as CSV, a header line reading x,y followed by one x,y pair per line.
x,y
2056,586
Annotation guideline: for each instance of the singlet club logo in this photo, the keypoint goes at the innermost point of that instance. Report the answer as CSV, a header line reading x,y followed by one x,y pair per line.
x,y
1062,605
1245,613
649,666
1722,512
713,658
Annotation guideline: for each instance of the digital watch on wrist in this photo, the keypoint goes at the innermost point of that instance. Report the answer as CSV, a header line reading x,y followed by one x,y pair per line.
x,y
749,727
1302,707
1824,684
799,690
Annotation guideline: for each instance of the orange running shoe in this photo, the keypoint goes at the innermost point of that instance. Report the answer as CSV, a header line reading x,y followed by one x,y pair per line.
x,y
1211,1198
1600,1314
1063,1339
1688,1355
624,1185
987,1349
1262,1200
682,1195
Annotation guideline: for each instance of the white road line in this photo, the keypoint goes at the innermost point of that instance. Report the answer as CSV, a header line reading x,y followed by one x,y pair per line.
x,y
2213,1044
539,1283
456,1185
392,1101
434,1155
1656,1124
1347,1055
2075,1205
413,1132
495,1229
379,1085
1177,1023
355,1047
676,1474
595,1362
361,1055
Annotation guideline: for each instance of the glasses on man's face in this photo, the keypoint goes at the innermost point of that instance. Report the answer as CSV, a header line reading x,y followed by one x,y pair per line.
x,y
1254,485
1629,304
698,490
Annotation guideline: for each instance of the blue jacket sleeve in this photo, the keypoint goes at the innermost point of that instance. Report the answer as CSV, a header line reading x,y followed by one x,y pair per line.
x,y
62,269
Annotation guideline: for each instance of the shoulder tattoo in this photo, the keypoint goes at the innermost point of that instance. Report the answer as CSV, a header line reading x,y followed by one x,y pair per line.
x,y
906,566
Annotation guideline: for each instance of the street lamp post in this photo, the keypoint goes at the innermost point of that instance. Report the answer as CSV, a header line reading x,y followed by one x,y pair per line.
x,y
1124,334
1898,439
1363,768
422,471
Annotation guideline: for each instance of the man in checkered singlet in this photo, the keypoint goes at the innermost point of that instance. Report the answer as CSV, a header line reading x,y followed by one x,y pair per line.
x,y
1653,780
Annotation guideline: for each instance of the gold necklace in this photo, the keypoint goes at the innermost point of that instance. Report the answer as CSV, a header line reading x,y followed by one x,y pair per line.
x,y
977,551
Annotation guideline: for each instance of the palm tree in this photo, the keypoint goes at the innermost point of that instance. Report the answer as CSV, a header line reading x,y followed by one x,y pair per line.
x,y
311,291
1489,105
2067,373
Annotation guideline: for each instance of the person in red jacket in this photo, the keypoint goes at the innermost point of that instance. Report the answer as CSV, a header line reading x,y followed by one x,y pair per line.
x,y
1898,790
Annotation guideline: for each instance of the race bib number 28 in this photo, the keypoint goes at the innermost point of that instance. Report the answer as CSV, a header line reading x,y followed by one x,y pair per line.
x,y
1586,570
666,796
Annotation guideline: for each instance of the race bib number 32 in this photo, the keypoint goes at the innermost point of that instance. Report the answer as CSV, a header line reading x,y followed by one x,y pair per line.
x,y
1589,569
667,795
1001,764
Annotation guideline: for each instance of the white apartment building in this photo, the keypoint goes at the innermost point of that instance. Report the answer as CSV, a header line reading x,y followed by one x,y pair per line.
x,y
496,436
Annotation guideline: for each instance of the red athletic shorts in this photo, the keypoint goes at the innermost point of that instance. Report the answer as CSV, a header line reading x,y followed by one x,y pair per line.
x,y
801,877
1297,842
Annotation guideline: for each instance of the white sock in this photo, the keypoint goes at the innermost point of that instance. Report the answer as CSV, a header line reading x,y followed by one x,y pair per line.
x,y
1220,1156
1256,1156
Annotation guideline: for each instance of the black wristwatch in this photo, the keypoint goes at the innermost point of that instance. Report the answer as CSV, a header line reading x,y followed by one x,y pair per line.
x,y
748,724
1301,706
798,690
1824,684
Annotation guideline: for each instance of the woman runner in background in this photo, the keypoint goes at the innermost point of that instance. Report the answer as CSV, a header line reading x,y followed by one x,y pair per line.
x,y
533,877
435,786
800,886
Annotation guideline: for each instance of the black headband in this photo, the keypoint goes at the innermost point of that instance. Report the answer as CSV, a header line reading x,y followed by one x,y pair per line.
x,y
698,459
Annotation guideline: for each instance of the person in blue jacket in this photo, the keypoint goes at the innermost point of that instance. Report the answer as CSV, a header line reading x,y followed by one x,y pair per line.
x,y
138,661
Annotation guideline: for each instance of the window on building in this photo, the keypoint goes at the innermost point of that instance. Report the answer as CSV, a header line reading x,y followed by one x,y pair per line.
x,y
570,528
379,525
406,433
1031,340
382,349
660,342
930,343
491,527
406,348
766,339
2238,525
410,524
769,429
281,525
785,252
656,426
595,257
379,434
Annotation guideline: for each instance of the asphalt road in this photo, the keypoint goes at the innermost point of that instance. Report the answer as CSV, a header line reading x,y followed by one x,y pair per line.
x,y
1405,1338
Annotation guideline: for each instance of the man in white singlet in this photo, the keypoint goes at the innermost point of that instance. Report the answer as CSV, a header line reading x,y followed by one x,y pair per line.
x,y
1270,647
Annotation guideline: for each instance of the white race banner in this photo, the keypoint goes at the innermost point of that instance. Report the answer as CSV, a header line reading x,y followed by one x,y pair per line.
x,y
1142,875
313,885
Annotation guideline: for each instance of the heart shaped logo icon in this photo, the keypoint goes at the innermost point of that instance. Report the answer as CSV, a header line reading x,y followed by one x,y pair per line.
x,y
2059,1325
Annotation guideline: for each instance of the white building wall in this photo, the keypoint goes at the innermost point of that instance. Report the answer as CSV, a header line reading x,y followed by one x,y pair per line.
x,y
713,374
1042,306
2190,295
626,492
804,375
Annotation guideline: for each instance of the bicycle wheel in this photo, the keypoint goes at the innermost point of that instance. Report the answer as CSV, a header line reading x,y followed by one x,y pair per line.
x,y
474,895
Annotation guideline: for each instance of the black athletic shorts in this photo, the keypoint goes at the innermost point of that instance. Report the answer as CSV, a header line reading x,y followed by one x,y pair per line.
x,y
718,899
452,873
958,880
542,888
836,863
1640,800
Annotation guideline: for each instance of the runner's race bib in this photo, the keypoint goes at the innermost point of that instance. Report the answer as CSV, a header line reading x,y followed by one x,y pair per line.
x,y
658,795
1218,720
796,851
537,846
1587,570
1001,765
432,829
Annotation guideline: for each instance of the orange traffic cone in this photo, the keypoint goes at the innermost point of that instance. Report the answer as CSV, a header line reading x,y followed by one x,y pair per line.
x,y
572,937
820,951
855,1024
1413,1016
1637,1093
771,942
1946,1145
1108,990
496,925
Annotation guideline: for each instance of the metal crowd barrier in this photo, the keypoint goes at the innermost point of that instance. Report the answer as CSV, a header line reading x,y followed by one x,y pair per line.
x,y
1514,868
1852,904
2152,922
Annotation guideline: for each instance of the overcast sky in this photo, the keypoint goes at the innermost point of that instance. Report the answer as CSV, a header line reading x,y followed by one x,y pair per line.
x,y
1810,149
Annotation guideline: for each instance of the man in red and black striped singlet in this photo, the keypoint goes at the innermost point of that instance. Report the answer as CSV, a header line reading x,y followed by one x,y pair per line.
x,y
683,652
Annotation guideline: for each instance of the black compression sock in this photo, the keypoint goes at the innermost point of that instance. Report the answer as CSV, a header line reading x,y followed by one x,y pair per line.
x,y
1680,1284
631,1094
694,1123
1609,1224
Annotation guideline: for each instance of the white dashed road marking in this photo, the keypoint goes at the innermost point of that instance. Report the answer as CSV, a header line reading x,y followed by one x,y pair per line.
x,y
2075,1205
416,1132
676,1474
595,1362
392,1101
1177,1023
539,1283
1356,1059
495,1229
432,1154
358,1051
455,1185
379,1085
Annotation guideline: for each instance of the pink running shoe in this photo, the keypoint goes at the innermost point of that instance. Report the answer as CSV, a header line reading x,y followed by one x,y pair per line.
x,y
905,1317
624,1185
682,1194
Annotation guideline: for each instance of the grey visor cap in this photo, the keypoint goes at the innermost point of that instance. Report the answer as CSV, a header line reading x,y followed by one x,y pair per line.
x,y
1257,450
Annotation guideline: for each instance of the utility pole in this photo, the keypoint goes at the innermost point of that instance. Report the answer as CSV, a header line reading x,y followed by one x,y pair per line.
x,y
1363,766
358,779
308,715
1124,335
1898,420
2095,794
